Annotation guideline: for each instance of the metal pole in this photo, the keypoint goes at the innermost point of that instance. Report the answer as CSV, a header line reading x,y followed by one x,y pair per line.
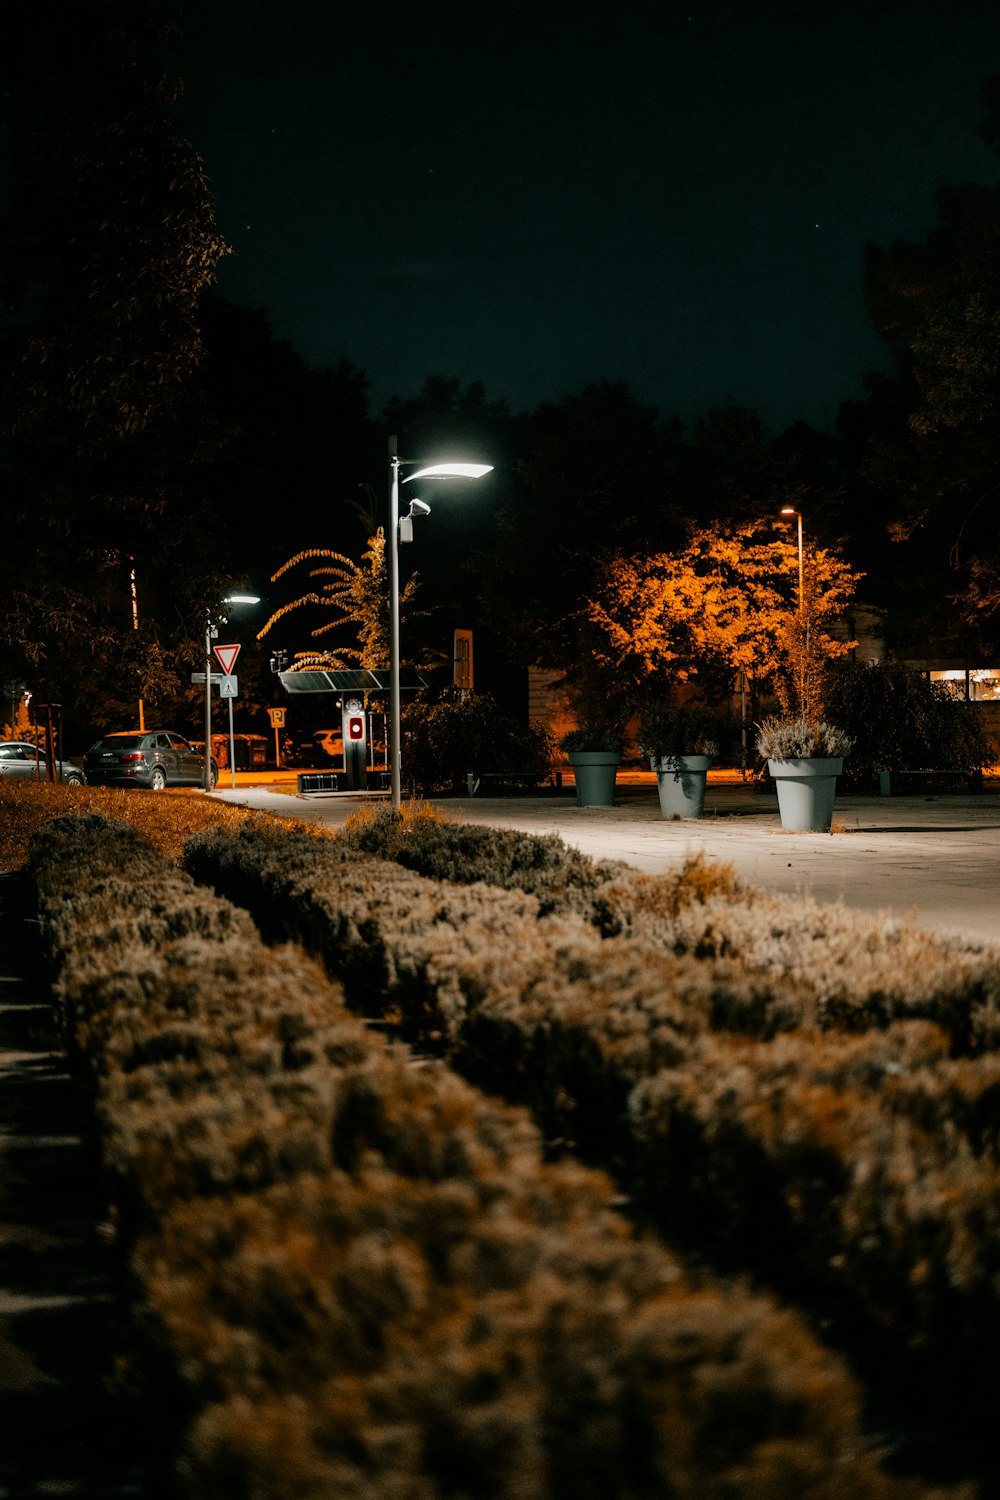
x,y
208,704
395,726
803,626
232,746
50,765
135,626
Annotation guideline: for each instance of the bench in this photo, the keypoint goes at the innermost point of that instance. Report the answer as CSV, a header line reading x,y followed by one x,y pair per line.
x,y
973,778
336,781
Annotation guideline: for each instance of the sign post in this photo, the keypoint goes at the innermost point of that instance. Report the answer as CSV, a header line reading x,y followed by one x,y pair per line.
x,y
227,689
277,717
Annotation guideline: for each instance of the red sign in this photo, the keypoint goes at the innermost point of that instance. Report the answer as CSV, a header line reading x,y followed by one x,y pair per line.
x,y
227,655
355,727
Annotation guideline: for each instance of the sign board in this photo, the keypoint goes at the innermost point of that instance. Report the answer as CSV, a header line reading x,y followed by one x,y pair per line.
x,y
227,656
277,717
200,676
228,687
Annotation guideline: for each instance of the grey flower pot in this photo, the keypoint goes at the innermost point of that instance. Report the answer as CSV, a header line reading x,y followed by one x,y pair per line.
x,y
806,789
594,772
680,781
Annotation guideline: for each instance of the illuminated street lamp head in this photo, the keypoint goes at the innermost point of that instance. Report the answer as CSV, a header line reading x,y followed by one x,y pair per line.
x,y
241,599
789,510
450,471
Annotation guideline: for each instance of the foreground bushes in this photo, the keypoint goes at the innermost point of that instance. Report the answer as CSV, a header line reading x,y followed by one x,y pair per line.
x,y
802,1093
355,1274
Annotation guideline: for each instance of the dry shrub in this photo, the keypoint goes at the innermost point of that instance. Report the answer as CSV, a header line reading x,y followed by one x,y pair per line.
x,y
455,1352
560,877
626,903
378,824
858,971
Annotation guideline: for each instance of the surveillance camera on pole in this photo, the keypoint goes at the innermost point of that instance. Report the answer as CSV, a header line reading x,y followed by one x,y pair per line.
x,y
417,508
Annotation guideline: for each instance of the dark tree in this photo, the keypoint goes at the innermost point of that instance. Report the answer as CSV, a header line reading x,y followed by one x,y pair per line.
x,y
108,242
596,476
300,445
932,455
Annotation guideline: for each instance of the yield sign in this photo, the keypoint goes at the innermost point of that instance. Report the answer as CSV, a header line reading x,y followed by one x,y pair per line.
x,y
227,655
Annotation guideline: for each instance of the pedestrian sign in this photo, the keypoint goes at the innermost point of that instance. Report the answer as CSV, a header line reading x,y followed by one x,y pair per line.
x,y
227,656
228,686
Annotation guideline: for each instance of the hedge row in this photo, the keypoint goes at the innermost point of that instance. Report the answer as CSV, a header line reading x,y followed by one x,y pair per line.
x,y
356,1275
749,1113
559,876
854,972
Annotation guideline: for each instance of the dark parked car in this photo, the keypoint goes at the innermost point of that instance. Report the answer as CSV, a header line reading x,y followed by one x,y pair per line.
x,y
155,759
18,758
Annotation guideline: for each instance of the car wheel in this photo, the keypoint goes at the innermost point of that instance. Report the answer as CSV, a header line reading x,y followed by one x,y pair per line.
x,y
157,779
213,776
72,781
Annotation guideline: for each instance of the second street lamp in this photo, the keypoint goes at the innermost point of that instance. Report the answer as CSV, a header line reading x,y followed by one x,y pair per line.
x,y
430,471
211,631
790,510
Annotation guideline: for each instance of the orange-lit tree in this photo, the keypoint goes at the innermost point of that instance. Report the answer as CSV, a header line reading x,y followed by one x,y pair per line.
x,y
726,603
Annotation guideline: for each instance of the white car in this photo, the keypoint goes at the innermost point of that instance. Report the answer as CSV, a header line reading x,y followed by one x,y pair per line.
x,y
18,758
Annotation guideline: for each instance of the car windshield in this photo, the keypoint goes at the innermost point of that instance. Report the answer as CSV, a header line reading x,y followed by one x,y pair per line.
x,y
120,742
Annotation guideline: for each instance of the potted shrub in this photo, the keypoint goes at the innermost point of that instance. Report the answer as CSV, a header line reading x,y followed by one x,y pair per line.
x,y
681,743
804,759
594,754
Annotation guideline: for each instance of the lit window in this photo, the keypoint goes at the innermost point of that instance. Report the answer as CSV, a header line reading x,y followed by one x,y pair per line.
x,y
984,684
981,684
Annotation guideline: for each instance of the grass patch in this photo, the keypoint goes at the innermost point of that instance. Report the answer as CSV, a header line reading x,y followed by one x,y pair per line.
x,y
165,818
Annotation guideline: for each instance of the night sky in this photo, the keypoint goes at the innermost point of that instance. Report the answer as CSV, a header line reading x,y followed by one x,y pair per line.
x,y
540,195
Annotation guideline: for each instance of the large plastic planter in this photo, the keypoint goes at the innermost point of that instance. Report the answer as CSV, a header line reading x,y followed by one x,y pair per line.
x,y
806,789
594,772
680,781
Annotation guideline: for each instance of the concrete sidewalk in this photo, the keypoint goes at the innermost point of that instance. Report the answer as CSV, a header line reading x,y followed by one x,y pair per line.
x,y
934,860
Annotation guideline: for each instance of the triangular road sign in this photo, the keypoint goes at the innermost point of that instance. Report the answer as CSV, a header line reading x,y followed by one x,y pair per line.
x,y
227,655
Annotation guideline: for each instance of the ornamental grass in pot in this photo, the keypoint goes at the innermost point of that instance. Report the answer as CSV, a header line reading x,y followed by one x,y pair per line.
x,y
804,758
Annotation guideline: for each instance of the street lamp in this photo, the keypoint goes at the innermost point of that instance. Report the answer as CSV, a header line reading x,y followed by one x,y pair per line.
x,y
211,631
431,471
789,510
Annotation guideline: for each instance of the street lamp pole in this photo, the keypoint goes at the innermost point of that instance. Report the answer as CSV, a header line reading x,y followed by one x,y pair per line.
x,y
431,471
790,510
395,712
211,631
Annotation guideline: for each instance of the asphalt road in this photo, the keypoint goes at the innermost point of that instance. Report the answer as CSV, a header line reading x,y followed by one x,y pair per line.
x,y
934,860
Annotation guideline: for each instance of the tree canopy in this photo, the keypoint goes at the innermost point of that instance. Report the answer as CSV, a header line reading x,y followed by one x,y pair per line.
x,y
725,603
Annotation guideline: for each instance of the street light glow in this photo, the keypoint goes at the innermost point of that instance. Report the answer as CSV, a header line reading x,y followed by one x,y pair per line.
x,y
451,471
